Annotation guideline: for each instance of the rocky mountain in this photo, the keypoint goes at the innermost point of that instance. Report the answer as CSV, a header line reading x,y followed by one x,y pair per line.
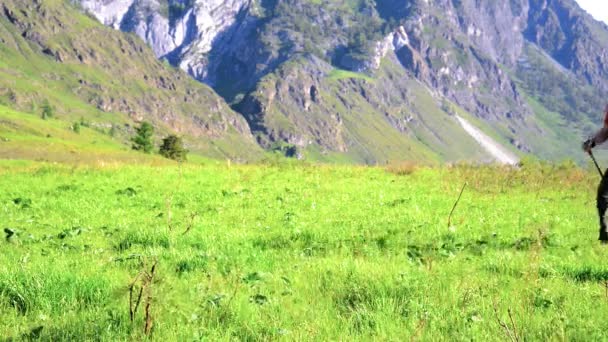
x,y
376,80
54,56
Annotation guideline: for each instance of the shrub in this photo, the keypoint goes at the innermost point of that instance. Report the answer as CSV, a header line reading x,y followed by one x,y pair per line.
x,y
285,149
47,110
76,127
84,123
112,131
142,141
173,148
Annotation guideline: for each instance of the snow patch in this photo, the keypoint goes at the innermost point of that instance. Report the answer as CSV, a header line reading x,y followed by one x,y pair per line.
x,y
497,151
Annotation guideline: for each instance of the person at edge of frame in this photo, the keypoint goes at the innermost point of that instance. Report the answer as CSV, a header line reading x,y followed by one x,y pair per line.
x,y
602,191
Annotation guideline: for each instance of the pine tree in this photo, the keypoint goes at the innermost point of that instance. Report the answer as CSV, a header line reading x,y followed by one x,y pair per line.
x,y
47,110
142,141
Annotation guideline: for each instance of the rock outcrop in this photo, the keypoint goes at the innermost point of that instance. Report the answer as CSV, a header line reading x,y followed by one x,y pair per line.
x,y
183,32
496,60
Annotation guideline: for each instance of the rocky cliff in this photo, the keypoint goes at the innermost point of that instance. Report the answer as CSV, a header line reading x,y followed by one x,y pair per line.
x,y
374,80
183,32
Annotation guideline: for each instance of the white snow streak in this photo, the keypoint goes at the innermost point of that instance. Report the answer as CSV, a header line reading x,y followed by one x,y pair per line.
x,y
492,147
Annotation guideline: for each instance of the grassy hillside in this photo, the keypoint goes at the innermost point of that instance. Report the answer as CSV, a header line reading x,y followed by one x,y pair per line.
x,y
335,115
52,55
29,137
300,253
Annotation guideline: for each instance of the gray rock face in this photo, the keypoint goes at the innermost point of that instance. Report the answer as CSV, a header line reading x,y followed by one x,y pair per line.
x,y
110,13
181,31
186,32
488,57
569,35
494,28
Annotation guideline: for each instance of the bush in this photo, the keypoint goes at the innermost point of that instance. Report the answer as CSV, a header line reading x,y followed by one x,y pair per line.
x,y
285,149
143,140
47,110
173,148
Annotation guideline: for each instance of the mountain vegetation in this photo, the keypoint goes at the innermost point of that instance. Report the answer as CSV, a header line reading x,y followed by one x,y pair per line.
x,y
365,81
142,141
172,147
521,69
56,62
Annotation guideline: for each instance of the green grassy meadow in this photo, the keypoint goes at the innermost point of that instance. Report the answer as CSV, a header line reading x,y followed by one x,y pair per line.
x,y
290,251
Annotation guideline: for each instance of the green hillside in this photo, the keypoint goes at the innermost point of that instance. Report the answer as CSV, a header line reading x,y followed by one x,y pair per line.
x,y
52,55
334,115
29,137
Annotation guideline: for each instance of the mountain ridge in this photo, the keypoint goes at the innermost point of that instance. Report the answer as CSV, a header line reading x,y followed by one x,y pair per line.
x,y
476,56
364,81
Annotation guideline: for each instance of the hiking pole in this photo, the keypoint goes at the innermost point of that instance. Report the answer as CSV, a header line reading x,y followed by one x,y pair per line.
x,y
596,165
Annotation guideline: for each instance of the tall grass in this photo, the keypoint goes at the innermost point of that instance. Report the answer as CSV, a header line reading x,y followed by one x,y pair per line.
x,y
301,253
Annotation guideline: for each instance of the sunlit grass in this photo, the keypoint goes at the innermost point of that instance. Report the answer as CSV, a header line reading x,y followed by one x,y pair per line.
x,y
301,252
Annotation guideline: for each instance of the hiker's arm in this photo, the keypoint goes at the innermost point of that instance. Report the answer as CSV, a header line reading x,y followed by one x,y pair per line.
x,y
597,139
601,136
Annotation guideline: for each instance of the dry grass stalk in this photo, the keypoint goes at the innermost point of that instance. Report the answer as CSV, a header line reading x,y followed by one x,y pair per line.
x,y
511,332
237,282
144,279
513,326
150,278
455,204
419,329
133,308
191,224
